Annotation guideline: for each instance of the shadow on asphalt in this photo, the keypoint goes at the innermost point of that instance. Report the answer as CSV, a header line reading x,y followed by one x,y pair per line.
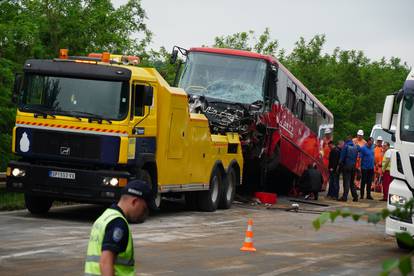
x,y
89,213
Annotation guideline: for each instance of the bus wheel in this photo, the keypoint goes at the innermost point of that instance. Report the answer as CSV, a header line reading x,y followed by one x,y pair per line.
x,y
228,190
208,200
37,205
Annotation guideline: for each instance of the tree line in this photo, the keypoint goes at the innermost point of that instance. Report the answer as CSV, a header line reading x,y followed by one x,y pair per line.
x,y
351,85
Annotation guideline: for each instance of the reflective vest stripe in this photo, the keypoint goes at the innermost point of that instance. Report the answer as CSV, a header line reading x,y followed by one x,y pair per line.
x,y
118,260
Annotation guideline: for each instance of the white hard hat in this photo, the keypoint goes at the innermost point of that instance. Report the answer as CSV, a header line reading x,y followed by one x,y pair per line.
x,y
360,132
328,131
379,138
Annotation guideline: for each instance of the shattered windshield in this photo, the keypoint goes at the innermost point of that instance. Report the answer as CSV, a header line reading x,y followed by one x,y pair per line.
x,y
225,77
75,97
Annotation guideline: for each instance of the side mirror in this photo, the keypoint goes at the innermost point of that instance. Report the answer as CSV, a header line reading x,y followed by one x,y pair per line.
x,y
387,112
16,87
148,95
174,56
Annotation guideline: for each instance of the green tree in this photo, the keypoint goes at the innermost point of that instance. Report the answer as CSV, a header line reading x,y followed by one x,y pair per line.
x,y
249,42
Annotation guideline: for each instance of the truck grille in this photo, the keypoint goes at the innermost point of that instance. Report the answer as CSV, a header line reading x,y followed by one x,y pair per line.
x,y
66,145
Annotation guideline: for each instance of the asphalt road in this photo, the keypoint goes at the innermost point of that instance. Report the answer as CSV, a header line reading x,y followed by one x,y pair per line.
x,y
180,242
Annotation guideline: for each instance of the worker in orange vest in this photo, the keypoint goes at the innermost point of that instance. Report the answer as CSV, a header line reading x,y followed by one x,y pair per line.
x,y
378,156
325,149
359,141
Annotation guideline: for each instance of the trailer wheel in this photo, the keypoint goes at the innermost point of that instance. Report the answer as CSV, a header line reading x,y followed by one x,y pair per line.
x,y
228,190
208,200
37,205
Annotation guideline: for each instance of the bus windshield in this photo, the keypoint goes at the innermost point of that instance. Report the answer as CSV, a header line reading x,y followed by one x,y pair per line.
x,y
224,77
75,97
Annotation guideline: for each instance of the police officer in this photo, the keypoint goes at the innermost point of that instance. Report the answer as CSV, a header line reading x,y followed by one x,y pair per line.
x,y
110,248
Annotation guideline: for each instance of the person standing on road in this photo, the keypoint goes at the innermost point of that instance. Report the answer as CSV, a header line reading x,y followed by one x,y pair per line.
x,y
367,167
326,149
378,155
349,154
360,142
386,167
334,156
111,249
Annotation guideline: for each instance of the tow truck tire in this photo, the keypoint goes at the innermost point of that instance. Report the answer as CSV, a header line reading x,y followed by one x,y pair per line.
x,y
146,176
228,189
208,200
37,205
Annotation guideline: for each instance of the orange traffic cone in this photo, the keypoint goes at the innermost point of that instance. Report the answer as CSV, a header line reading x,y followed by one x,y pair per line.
x,y
248,241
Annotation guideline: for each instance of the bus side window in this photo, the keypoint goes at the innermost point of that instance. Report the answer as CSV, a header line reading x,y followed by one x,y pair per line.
x,y
291,99
300,108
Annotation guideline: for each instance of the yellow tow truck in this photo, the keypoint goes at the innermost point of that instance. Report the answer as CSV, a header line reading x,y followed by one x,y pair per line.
x,y
85,126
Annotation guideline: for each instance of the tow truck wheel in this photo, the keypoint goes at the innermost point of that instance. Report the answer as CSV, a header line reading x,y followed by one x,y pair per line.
x,y
37,205
228,189
146,177
208,200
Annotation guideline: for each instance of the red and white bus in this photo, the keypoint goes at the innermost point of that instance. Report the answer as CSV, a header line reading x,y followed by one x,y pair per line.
x,y
280,122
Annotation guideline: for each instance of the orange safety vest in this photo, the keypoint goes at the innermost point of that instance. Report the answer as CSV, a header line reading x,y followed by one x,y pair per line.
x,y
326,150
378,156
360,143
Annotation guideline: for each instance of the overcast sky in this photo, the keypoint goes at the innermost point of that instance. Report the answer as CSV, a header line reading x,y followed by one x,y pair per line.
x,y
377,27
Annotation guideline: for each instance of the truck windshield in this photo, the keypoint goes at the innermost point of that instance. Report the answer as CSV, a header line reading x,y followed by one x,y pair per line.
x,y
225,77
74,97
407,118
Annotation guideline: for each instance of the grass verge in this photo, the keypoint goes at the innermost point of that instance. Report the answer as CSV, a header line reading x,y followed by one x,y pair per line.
x,y
11,201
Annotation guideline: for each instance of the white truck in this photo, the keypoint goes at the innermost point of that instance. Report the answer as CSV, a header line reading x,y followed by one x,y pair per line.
x,y
377,130
402,158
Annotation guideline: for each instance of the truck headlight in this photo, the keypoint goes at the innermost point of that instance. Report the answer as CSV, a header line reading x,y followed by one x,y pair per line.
x,y
112,181
397,200
16,172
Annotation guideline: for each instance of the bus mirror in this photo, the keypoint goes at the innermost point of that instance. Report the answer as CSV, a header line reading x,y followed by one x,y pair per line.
x,y
387,112
16,87
148,95
174,56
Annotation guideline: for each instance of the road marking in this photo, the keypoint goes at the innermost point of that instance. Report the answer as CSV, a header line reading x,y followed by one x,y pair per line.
x,y
291,268
31,252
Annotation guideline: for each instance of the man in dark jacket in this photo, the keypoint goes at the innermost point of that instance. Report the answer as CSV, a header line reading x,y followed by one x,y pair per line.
x,y
334,156
349,154
367,167
311,182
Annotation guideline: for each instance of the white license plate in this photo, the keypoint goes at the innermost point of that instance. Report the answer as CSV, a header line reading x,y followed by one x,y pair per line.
x,y
65,175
